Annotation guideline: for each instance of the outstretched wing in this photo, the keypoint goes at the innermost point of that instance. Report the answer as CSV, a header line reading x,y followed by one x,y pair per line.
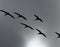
x,y
24,25
11,16
24,18
41,20
17,14
31,28
43,34
38,30
3,11
57,33
36,16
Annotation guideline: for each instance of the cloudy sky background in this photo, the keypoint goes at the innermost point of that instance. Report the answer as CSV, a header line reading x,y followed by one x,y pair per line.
x,y
12,32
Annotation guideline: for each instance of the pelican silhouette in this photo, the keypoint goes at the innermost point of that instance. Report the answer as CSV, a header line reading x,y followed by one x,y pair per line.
x,y
58,35
7,13
41,33
27,26
37,18
19,15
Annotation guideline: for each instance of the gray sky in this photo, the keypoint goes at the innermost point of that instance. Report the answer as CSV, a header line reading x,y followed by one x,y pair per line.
x,y
12,32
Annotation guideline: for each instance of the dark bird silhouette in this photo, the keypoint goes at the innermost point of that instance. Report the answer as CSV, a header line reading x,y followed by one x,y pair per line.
x,y
41,33
26,26
7,13
37,18
19,15
58,35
